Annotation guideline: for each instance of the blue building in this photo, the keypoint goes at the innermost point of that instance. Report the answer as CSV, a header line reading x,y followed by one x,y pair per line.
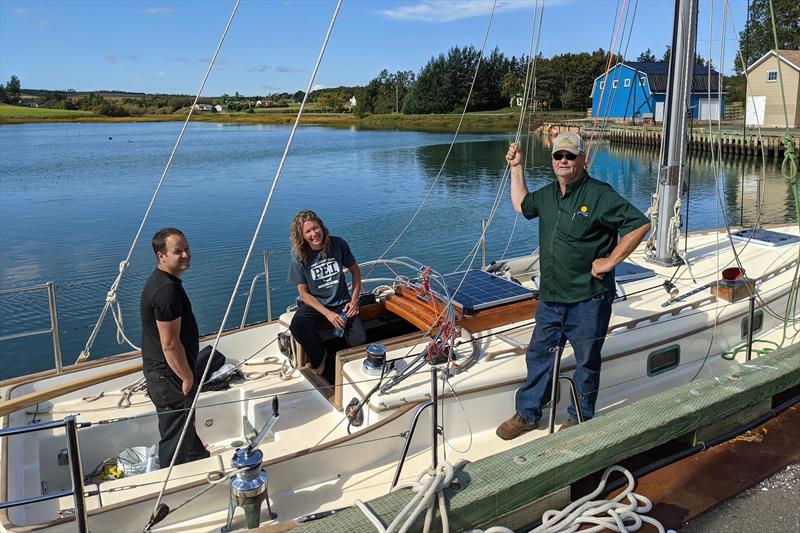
x,y
638,90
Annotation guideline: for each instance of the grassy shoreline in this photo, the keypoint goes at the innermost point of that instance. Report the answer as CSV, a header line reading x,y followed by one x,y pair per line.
x,y
497,122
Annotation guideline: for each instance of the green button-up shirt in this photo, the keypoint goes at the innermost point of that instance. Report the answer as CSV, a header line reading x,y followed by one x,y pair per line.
x,y
574,230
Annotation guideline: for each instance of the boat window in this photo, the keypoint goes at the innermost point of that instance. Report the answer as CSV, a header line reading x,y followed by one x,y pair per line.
x,y
642,80
615,84
662,360
602,84
627,82
758,323
772,75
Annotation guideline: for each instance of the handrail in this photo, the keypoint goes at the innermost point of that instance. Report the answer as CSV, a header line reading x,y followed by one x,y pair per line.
x,y
53,330
70,425
265,274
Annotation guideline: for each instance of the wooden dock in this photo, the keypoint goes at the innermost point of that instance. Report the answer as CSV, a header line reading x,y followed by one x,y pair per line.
x,y
504,489
701,140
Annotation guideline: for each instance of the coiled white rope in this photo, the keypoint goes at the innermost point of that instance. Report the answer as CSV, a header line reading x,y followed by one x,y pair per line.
x,y
612,515
427,494
619,516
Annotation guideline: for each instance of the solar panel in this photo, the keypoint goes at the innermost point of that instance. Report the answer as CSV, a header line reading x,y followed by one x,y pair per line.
x,y
480,290
764,236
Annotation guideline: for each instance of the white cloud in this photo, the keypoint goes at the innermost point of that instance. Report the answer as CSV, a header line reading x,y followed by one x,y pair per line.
x,y
450,10
285,69
22,11
111,58
132,57
158,11
317,87
259,68
221,61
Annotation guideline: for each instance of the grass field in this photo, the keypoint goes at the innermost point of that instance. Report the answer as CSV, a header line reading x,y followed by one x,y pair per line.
x,y
504,120
13,112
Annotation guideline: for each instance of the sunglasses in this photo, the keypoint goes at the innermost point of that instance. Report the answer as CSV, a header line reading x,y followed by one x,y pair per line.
x,y
558,156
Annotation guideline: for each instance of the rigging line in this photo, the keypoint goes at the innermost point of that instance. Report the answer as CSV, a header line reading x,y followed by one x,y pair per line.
x,y
504,180
715,169
189,419
763,172
531,106
604,126
789,165
452,142
608,67
124,264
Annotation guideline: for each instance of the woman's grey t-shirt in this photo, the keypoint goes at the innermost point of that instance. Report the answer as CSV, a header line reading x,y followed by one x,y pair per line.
x,y
324,275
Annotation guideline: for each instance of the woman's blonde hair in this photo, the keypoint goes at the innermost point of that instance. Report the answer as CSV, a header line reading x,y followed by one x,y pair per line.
x,y
300,247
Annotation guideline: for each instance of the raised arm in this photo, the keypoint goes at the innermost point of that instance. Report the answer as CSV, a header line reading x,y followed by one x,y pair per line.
x,y
518,187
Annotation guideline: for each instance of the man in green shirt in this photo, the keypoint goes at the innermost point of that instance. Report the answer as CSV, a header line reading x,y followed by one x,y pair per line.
x,y
585,229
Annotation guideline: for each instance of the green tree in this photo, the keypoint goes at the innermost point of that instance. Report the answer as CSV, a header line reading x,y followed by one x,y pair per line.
x,y
333,102
756,39
511,86
3,96
647,56
13,90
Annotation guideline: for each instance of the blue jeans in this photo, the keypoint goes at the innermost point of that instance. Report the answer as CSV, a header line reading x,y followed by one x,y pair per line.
x,y
584,325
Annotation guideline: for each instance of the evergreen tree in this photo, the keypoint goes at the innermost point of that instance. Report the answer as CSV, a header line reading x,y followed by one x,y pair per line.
x,y
647,56
13,90
756,39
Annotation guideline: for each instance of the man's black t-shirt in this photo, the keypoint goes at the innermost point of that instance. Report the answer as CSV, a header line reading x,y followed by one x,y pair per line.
x,y
164,299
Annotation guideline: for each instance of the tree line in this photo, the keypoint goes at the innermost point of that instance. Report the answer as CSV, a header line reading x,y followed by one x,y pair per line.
x,y
563,81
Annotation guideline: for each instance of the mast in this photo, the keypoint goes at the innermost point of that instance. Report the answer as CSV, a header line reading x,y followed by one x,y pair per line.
x,y
675,133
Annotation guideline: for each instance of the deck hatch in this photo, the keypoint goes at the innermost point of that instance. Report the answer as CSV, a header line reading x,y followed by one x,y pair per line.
x,y
663,360
480,290
764,237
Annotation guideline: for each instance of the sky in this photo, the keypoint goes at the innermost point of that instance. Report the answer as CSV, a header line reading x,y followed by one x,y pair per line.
x,y
165,46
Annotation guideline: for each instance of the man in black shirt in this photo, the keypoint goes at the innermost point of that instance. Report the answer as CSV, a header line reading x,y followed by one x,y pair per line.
x,y
170,341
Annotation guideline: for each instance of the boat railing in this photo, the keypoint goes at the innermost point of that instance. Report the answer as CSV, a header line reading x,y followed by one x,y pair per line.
x,y
265,275
70,425
53,330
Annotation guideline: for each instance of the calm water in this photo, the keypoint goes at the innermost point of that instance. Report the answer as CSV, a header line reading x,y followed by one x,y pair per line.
x,y
74,194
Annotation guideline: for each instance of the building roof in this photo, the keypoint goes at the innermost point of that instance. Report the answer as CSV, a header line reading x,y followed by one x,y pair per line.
x,y
658,73
790,57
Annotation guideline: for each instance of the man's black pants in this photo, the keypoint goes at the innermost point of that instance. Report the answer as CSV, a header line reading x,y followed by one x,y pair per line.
x,y
305,323
173,409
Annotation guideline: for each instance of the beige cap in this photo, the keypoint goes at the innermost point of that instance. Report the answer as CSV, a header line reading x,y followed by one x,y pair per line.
x,y
568,142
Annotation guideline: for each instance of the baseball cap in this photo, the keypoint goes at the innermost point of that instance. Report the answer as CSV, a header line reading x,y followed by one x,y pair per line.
x,y
568,142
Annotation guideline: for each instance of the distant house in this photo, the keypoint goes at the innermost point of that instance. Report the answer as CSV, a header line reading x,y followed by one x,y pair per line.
x,y
203,107
638,90
516,101
351,103
221,108
259,103
764,102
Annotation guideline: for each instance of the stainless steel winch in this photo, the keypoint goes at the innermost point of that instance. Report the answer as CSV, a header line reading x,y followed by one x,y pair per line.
x,y
249,485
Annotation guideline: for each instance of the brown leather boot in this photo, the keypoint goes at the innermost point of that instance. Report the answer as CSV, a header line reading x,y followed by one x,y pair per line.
x,y
514,427
568,423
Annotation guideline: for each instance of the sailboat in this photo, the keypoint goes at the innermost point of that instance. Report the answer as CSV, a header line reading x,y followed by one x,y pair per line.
x,y
446,351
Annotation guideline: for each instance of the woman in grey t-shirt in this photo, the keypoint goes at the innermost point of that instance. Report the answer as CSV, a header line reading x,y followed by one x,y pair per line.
x,y
318,264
